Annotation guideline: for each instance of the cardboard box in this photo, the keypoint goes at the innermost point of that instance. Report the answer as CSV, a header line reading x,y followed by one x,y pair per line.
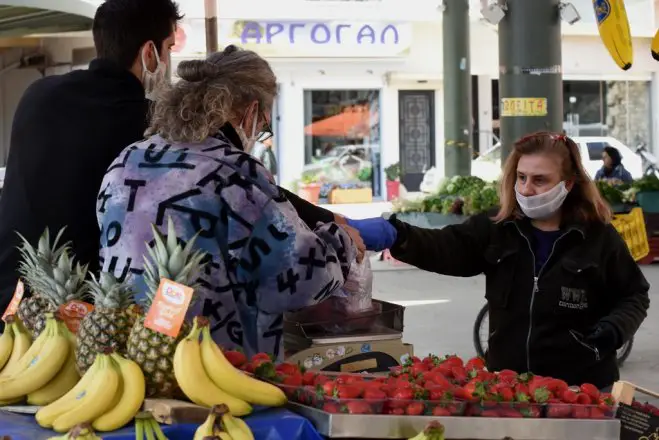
x,y
635,424
344,196
363,356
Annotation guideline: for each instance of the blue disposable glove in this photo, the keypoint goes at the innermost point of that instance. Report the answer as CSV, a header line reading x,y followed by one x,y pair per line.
x,y
378,234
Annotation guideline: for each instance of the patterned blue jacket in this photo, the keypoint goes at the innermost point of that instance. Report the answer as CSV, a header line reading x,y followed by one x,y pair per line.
x,y
263,259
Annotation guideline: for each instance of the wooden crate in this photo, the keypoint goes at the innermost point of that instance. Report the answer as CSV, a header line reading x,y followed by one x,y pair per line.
x,y
357,195
654,251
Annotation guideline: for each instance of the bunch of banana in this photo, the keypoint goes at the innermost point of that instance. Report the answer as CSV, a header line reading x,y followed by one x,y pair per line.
x,y
193,378
434,431
614,31
208,378
83,431
221,424
16,338
40,364
146,426
6,342
108,396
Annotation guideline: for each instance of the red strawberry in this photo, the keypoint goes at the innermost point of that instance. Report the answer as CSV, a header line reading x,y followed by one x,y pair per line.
x,y
506,394
320,379
308,378
597,413
557,386
417,369
559,411
402,394
459,374
397,411
235,358
328,387
490,413
415,409
569,396
331,408
287,368
358,407
348,391
294,380
475,363
510,413
584,399
580,412
438,411
592,391
346,379
374,394
262,356
541,395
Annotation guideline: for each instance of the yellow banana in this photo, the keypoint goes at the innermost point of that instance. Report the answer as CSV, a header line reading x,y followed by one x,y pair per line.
x,y
6,342
47,414
194,381
99,396
82,431
61,384
614,31
236,430
654,46
234,381
212,426
22,343
244,427
131,396
41,368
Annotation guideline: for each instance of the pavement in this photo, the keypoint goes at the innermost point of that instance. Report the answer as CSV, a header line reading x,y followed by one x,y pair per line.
x,y
441,311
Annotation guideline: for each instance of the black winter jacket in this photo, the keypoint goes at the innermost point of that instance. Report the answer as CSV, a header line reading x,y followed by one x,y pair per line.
x,y
536,323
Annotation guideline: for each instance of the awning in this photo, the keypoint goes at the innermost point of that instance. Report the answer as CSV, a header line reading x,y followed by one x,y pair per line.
x,y
352,123
20,18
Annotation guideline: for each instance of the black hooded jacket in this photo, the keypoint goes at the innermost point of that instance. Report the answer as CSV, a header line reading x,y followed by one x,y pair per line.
x,y
537,324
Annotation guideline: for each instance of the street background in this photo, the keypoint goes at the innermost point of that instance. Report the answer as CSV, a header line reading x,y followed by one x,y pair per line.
x,y
441,311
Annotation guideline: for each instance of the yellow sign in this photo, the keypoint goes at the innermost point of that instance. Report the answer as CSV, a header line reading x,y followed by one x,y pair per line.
x,y
523,107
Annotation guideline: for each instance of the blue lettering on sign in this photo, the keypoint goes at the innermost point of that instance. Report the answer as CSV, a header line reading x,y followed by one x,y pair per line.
x,y
602,10
319,33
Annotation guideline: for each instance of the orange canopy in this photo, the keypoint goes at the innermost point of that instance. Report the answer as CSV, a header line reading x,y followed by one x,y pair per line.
x,y
353,122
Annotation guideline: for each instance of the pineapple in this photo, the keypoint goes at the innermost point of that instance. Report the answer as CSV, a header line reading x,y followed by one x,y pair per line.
x,y
46,255
109,324
153,351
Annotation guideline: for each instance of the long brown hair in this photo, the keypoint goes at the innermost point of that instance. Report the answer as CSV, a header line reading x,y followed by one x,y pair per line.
x,y
584,203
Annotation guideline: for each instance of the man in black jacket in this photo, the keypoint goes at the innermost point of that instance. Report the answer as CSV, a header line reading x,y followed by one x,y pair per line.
x,y
69,128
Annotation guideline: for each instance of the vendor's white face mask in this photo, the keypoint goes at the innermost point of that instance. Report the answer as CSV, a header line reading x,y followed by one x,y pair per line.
x,y
151,80
543,205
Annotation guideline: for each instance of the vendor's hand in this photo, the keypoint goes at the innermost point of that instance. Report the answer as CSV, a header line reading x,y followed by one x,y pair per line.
x,y
603,336
356,240
377,233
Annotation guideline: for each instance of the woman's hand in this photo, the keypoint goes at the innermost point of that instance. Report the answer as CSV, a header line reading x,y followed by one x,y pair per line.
x,y
356,240
377,233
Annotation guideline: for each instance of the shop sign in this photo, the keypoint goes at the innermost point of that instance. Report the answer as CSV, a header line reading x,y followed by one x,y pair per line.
x,y
511,107
302,38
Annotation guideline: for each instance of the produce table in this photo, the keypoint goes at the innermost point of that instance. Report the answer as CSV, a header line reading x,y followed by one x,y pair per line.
x,y
276,424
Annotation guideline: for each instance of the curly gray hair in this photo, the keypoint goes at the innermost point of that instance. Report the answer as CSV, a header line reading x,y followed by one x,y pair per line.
x,y
211,93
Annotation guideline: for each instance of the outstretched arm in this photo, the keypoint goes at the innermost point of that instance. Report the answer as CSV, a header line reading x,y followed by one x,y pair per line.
x,y
286,266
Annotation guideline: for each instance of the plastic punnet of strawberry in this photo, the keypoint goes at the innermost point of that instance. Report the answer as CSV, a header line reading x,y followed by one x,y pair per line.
x,y
584,402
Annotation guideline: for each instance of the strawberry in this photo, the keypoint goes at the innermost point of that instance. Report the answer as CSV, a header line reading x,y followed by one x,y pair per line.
x,y
438,411
584,399
262,356
490,413
397,411
557,386
559,411
541,395
346,379
328,388
591,390
374,394
532,412
506,394
475,363
569,396
308,378
320,379
331,408
509,413
287,368
357,407
263,368
597,413
235,358
459,374
415,409
417,369
294,380
348,391
580,412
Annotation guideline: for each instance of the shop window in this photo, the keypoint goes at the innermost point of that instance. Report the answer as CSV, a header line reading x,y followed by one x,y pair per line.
x,y
342,139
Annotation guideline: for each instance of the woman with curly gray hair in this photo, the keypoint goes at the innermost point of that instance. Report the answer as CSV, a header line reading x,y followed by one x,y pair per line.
x,y
195,169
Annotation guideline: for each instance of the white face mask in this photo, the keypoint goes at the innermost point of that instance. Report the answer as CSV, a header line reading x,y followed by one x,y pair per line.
x,y
542,205
151,80
248,141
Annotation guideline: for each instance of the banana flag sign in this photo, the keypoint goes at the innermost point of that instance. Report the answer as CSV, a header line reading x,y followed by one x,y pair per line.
x,y
512,107
613,27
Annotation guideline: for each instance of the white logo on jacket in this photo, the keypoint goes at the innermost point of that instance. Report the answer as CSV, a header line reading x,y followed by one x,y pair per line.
x,y
572,298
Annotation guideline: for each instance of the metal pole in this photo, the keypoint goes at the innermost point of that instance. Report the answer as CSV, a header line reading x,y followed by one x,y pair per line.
x,y
457,88
210,9
530,76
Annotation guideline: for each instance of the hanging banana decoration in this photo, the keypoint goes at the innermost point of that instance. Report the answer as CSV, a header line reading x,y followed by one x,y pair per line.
x,y
654,47
614,31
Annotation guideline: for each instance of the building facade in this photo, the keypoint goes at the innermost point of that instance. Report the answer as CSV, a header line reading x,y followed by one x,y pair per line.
x,y
361,84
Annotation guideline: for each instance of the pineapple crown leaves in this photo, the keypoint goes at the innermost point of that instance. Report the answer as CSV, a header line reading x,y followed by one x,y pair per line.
x,y
109,292
168,259
45,249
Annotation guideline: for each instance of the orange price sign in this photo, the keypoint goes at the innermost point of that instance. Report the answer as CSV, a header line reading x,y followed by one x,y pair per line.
x,y
12,308
73,312
169,307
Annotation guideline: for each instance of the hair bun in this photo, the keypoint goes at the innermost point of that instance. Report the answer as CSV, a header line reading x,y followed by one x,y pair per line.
x,y
230,49
196,70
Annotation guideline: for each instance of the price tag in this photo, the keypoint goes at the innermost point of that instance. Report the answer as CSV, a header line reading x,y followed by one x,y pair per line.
x,y
73,312
169,307
12,308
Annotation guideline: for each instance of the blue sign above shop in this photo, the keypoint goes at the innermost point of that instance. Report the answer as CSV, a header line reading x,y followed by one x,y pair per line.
x,y
320,33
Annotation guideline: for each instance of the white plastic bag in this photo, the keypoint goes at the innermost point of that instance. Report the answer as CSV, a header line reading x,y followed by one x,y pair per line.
x,y
357,291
